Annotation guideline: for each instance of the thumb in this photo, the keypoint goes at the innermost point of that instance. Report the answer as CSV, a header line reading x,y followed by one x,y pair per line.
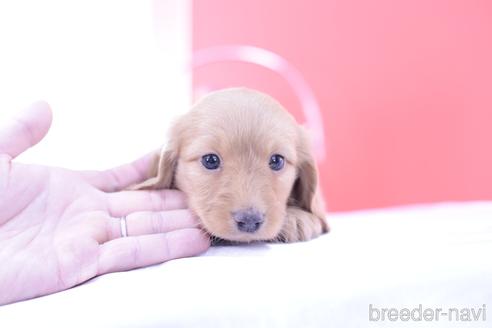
x,y
25,129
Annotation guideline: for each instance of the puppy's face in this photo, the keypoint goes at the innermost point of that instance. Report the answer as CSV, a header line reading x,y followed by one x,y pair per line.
x,y
237,156
237,165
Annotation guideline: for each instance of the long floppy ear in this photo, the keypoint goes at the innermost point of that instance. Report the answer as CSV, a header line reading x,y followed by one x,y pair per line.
x,y
162,171
163,167
305,192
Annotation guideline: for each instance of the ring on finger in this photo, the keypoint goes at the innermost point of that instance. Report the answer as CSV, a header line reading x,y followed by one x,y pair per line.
x,y
123,227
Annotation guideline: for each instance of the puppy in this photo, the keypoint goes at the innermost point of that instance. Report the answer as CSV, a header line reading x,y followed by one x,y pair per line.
x,y
246,167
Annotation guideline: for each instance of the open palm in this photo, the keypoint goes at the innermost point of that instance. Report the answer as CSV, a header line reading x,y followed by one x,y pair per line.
x,y
59,228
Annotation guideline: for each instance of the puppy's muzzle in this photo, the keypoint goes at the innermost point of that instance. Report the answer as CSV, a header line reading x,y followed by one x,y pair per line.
x,y
248,220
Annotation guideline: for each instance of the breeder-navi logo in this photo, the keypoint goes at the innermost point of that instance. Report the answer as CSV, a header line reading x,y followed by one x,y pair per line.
x,y
420,313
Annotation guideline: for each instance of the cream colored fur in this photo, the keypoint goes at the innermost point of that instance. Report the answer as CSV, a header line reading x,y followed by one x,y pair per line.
x,y
244,127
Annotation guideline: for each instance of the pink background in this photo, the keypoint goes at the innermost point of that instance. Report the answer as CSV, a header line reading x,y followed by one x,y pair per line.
x,y
405,89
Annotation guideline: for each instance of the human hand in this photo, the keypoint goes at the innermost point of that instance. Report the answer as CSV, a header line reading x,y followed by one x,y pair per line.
x,y
59,228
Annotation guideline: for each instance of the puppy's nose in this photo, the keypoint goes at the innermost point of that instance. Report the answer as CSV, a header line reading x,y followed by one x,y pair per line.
x,y
248,220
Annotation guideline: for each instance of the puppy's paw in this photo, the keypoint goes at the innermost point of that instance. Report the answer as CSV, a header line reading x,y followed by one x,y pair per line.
x,y
301,225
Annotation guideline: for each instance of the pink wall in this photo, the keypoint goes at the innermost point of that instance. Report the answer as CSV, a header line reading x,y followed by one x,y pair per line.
x,y
405,89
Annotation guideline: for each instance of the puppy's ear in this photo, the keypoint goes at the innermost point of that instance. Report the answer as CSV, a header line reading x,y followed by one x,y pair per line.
x,y
163,167
162,171
305,193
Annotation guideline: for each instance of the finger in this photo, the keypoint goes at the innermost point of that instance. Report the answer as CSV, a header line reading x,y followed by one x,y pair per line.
x,y
134,252
25,129
125,202
146,223
123,176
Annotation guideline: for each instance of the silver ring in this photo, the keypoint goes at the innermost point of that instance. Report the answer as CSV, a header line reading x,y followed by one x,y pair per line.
x,y
124,231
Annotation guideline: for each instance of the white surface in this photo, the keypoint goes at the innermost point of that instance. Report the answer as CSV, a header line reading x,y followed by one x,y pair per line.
x,y
436,255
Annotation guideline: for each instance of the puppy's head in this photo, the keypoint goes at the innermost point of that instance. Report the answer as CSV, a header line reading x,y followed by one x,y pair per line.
x,y
241,159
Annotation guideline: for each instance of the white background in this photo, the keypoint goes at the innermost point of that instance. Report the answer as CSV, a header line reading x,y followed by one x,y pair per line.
x,y
114,72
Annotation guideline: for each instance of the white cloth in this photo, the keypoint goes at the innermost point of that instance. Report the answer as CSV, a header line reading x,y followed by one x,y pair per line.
x,y
438,256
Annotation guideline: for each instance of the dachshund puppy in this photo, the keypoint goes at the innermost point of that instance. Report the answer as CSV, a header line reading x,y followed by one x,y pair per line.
x,y
246,168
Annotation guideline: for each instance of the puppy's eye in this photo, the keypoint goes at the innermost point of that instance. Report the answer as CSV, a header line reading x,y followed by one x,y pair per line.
x,y
211,161
276,162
